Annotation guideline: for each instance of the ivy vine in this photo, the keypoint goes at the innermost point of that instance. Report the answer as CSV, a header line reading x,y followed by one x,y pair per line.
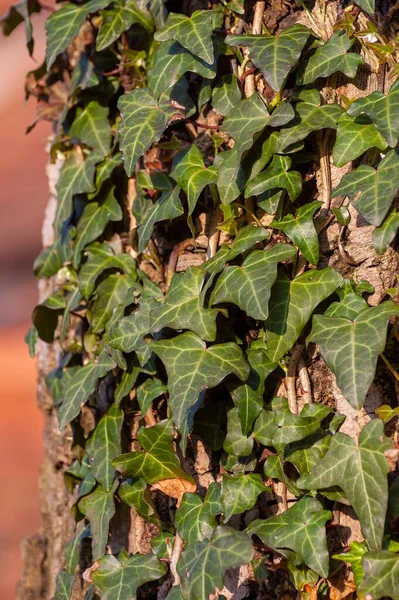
x,y
191,286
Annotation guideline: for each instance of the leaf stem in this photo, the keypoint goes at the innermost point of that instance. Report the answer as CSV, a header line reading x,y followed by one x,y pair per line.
x,y
389,366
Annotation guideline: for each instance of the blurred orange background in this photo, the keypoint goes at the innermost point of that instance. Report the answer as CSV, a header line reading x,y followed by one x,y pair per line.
x,y
23,197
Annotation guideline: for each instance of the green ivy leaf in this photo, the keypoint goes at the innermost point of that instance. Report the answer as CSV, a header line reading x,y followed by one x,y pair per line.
x,y
196,520
265,428
99,258
351,347
104,171
231,176
310,116
386,413
127,334
332,57
64,586
291,305
63,26
92,128
171,62
226,549
137,495
383,110
193,33
355,135
381,575
249,117
248,396
236,443
240,492
274,467
384,235
274,55
104,445
191,368
168,206
377,187
361,472
72,549
367,5
355,558
301,529
45,315
306,453
291,427
301,230
99,508
148,391
121,578
158,461
249,285
76,177
94,219
276,177
191,174
118,19
226,94
79,387
144,119
110,293
182,308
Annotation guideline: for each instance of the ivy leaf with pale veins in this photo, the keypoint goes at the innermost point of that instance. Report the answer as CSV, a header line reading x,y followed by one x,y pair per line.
x,y
92,128
191,174
105,445
193,33
383,110
351,347
144,119
333,56
202,565
182,307
171,62
274,55
366,5
355,135
94,219
196,520
301,529
248,396
310,116
291,427
137,495
99,258
127,334
110,293
64,586
240,492
384,235
191,368
76,177
249,117
168,206
149,391
381,575
301,230
158,463
118,19
292,304
120,577
276,177
63,26
361,472
236,443
355,558
249,285
72,549
306,453
226,94
99,508
377,187
80,386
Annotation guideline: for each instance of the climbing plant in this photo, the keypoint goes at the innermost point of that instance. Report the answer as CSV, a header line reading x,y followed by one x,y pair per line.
x,y
223,168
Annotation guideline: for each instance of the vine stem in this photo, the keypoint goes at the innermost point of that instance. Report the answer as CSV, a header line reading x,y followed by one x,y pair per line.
x,y
305,381
174,559
291,378
389,366
259,9
177,250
